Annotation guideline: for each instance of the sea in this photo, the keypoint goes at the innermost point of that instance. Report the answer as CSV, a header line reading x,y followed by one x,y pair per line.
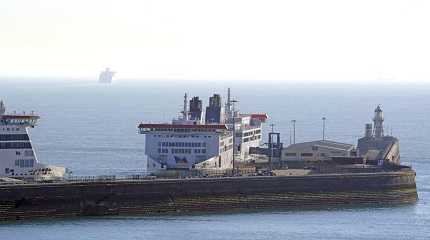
x,y
92,130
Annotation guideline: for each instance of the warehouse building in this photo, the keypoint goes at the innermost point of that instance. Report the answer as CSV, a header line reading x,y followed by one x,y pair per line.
x,y
320,150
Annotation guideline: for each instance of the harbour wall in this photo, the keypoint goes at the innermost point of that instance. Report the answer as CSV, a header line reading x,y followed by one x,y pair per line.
x,y
172,196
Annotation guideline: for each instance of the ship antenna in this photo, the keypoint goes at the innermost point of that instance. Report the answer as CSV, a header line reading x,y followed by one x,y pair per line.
x,y
229,103
185,111
2,108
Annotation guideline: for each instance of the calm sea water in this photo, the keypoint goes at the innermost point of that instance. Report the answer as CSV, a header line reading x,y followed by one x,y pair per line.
x,y
91,129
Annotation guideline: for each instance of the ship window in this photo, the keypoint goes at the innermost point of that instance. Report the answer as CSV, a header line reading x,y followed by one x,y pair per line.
x,y
307,154
15,145
29,153
290,154
14,137
24,163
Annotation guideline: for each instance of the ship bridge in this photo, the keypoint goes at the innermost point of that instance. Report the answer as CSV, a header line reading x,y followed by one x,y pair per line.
x,y
19,119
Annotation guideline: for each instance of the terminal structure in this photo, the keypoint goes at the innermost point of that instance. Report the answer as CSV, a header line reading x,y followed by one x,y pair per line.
x,y
372,150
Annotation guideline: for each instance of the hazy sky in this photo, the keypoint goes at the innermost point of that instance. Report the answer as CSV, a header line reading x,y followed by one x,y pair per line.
x,y
321,40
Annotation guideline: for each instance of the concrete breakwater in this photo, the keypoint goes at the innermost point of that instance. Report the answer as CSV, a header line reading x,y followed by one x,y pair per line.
x,y
166,196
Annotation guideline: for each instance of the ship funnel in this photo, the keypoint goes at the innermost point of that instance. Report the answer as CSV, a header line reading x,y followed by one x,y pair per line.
x,y
368,130
2,108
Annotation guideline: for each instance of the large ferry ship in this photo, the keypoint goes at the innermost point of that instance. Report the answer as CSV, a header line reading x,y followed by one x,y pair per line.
x,y
216,141
17,156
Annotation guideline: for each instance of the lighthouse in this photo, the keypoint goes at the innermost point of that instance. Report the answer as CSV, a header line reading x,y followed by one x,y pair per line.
x,y
374,146
378,122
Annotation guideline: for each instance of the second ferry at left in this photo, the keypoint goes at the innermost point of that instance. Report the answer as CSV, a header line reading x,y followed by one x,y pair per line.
x,y
17,156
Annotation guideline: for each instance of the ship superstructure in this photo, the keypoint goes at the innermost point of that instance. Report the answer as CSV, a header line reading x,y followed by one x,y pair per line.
x,y
247,128
193,142
248,132
17,155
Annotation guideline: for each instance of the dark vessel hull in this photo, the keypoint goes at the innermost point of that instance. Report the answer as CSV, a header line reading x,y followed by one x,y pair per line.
x,y
167,196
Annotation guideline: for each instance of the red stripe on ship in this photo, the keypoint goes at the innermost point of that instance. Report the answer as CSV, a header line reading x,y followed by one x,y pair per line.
x,y
260,116
18,116
189,126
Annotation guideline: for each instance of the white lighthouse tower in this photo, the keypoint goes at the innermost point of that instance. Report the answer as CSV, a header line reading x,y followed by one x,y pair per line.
x,y
378,122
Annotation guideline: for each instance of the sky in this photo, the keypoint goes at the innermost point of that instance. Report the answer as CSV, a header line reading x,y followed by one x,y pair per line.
x,y
231,40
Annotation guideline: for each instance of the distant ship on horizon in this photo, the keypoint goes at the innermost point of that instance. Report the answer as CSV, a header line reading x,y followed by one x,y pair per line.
x,y
106,76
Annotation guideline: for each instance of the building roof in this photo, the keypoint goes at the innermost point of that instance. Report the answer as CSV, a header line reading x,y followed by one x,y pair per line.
x,y
260,116
320,143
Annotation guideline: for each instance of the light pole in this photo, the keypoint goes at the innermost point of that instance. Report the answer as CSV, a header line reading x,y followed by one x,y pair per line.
x,y
234,132
294,130
271,148
323,130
